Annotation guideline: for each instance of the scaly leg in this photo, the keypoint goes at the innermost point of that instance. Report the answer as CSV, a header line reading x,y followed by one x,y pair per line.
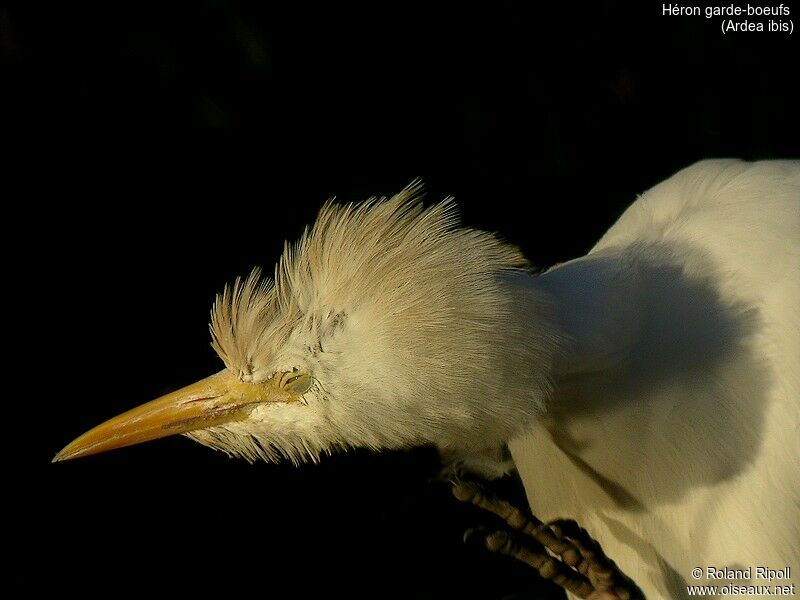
x,y
583,569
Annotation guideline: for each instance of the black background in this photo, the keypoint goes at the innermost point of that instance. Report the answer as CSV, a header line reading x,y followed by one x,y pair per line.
x,y
155,151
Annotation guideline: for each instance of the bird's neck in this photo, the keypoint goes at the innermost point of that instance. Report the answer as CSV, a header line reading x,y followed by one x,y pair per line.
x,y
637,318
595,312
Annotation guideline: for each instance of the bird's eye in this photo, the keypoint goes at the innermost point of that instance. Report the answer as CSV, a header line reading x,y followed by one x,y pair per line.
x,y
296,383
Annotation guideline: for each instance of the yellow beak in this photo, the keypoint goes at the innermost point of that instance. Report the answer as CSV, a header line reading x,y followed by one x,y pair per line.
x,y
215,400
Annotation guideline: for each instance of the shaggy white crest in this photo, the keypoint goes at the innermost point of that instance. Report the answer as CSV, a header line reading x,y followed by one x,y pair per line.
x,y
405,321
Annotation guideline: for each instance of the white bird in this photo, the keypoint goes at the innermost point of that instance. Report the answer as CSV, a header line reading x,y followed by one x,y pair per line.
x,y
650,389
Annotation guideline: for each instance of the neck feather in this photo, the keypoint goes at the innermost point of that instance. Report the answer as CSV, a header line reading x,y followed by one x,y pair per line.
x,y
643,316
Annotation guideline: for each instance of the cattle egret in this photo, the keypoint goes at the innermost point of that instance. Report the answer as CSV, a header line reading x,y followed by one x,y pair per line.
x,y
650,389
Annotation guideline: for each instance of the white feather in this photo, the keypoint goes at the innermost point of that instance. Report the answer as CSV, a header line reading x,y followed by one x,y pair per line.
x,y
673,434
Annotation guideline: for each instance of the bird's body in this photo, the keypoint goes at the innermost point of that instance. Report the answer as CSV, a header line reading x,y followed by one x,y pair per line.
x,y
650,389
673,431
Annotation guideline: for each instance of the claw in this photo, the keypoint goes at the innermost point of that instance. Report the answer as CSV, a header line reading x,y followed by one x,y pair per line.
x,y
603,572
583,569
454,473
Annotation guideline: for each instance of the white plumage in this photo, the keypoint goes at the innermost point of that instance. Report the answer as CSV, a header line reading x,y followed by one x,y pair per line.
x,y
674,432
650,390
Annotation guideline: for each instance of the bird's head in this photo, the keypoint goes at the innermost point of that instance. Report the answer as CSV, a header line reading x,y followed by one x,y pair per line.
x,y
387,325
